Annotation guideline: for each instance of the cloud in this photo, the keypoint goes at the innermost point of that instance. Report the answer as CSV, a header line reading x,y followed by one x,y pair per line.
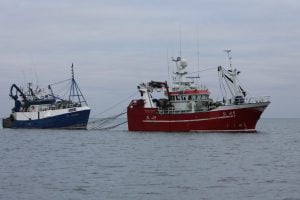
x,y
117,44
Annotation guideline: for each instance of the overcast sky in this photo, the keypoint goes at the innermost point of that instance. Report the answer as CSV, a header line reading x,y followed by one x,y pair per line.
x,y
115,45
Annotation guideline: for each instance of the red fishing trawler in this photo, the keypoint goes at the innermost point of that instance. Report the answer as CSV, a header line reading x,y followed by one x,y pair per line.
x,y
187,106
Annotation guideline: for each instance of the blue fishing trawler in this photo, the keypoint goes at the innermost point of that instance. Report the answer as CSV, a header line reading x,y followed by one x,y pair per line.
x,y
37,108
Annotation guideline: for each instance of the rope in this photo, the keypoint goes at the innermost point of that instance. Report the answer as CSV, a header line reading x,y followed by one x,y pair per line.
x,y
110,127
99,124
64,90
102,122
111,117
113,106
211,68
60,82
221,84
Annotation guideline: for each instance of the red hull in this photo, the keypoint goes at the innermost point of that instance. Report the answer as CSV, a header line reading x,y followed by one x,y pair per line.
x,y
239,118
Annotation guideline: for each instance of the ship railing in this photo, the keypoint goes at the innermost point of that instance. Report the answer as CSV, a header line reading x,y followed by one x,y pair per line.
x,y
261,99
172,111
45,107
56,107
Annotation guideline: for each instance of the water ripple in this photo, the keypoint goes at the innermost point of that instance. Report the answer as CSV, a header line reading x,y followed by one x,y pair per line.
x,y
53,164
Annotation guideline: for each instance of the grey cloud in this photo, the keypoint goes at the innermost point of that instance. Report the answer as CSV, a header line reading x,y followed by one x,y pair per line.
x,y
117,44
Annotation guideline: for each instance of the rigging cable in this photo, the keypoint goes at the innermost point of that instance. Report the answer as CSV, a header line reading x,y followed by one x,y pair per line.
x,y
207,69
103,122
116,104
60,81
110,127
98,124
221,82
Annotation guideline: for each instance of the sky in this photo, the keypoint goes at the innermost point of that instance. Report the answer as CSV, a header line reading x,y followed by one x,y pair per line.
x,y
115,45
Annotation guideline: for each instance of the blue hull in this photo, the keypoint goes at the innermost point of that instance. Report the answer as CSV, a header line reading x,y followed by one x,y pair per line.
x,y
73,120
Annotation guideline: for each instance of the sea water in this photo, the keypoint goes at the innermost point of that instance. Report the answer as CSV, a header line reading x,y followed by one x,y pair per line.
x,y
117,164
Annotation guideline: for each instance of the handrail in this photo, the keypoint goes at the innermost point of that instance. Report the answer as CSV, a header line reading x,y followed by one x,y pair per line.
x,y
172,111
53,107
251,100
261,99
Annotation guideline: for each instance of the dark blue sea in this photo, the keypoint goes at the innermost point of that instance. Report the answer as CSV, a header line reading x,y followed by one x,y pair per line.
x,y
117,164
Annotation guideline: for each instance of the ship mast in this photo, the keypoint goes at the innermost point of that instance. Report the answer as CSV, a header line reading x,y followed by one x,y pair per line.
x,y
229,57
230,77
75,92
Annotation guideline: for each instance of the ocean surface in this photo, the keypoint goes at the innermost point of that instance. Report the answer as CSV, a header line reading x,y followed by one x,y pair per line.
x,y
117,164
